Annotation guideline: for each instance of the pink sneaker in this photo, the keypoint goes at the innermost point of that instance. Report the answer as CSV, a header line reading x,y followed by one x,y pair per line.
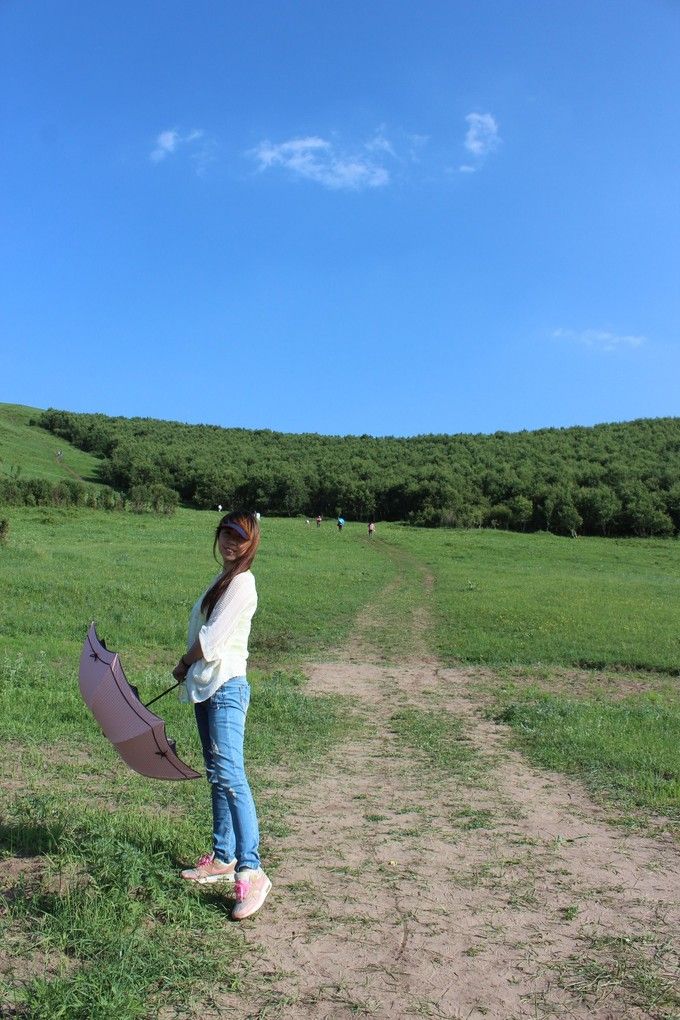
x,y
252,888
209,870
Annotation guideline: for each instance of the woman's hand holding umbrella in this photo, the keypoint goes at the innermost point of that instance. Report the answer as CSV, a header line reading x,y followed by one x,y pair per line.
x,y
187,660
180,671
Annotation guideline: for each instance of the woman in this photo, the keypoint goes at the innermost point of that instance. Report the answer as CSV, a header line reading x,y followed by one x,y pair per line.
x,y
213,674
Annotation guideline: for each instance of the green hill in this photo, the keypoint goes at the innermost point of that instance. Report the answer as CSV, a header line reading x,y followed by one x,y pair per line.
x,y
27,451
621,478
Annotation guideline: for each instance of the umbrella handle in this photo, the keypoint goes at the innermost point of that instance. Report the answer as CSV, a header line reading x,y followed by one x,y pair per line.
x,y
163,693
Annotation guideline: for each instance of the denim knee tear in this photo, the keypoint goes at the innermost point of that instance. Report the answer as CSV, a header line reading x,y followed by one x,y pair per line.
x,y
214,747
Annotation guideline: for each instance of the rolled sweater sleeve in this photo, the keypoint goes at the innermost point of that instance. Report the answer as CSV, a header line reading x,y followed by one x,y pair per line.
x,y
239,600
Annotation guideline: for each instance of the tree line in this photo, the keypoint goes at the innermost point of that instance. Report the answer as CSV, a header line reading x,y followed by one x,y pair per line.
x,y
70,492
611,479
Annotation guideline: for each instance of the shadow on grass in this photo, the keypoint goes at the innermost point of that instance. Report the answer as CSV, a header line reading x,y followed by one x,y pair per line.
x,y
30,839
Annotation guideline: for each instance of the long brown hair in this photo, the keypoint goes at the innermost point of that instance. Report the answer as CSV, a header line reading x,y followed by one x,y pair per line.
x,y
238,523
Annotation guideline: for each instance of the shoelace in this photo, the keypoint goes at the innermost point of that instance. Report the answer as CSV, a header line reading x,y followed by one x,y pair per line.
x,y
205,859
241,888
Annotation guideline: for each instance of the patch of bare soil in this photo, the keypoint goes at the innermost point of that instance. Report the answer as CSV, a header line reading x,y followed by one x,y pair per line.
x,y
404,891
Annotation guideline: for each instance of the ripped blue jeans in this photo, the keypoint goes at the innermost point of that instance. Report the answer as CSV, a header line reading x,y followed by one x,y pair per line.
x,y
221,724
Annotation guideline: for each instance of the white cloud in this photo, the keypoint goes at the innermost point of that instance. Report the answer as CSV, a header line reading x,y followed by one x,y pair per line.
x,y
167,143
482,134
601,339
316,159
380,143
481,139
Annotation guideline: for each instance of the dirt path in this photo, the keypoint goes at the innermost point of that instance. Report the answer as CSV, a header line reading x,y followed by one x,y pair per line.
x,y
404,891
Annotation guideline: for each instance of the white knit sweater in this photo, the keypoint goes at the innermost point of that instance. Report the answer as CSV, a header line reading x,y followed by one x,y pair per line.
x,y
223,638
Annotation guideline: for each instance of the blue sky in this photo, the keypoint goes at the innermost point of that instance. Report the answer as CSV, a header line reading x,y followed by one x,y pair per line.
x,y
379,217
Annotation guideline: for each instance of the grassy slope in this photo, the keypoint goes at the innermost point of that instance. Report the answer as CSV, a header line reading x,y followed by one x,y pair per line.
x,y
502,597
34,451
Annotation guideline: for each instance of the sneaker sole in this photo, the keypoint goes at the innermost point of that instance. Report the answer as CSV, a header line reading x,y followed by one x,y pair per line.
x,y
210,879
256,907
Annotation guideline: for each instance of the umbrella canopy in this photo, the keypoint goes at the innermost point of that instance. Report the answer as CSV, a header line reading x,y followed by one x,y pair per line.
x,y
137,734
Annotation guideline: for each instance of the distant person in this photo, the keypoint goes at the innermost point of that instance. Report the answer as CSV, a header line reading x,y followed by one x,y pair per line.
x,y
318,520
341,523
213,676
219,507
371,529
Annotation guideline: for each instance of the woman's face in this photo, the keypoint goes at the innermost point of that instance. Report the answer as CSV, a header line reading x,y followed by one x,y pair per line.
x,y
228,543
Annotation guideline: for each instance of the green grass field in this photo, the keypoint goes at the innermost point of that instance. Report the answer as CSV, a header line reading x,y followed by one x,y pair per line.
x,y
578,652
582,640
502,597
137,575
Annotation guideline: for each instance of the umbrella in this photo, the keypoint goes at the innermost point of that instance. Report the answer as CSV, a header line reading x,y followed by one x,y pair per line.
x,y
137,734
